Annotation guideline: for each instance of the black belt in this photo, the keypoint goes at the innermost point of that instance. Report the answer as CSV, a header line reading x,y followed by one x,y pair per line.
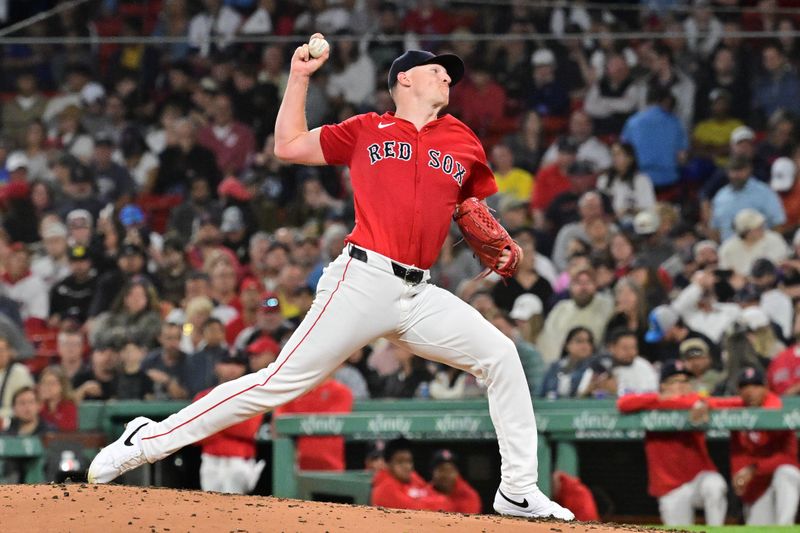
x,y
414,276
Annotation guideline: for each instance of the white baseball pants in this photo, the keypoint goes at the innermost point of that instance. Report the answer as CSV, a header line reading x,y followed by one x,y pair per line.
x,y
357,302
706,491
778,505
232,475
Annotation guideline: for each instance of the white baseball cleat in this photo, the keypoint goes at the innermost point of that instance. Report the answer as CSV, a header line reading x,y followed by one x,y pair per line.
x,y
122,455
531,505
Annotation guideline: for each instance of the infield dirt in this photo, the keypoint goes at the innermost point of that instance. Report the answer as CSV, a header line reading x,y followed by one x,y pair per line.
x,y
114,508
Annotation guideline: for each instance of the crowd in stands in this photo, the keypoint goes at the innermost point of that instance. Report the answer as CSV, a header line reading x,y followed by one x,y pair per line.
x,y
149,232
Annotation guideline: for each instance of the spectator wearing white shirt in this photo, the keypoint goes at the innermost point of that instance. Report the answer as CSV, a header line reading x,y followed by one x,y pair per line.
x,y
353,76
699,309
752,241
217,21
630,191
260,22
775,303
53,266
613,97
625,371
590,149
703,29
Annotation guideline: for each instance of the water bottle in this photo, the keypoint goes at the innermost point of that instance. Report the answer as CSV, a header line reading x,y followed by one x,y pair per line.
x,y
425,390
68,463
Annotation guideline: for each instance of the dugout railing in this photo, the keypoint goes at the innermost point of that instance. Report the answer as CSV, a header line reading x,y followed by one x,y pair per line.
x,y
562,425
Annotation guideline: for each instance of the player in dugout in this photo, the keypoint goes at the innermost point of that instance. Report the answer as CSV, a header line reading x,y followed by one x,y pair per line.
x,y
400,487
680,472
764,466
447,480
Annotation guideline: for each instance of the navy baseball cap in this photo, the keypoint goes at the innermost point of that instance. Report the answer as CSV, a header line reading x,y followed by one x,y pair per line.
x,y
415,58
751,376
674,368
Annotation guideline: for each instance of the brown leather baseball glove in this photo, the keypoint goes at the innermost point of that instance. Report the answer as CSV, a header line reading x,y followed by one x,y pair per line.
x,y
486,237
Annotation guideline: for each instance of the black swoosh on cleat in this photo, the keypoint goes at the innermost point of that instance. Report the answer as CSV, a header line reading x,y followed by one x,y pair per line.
x,y
523,503
129,442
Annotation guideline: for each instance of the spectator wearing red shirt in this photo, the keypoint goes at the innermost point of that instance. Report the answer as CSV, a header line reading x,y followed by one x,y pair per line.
x,y
480,102
400,487
552,180
680,471
232,143
228,457
55,394
447,481
320,453
250,297
764,466
262,351
427,19
570,492
783,373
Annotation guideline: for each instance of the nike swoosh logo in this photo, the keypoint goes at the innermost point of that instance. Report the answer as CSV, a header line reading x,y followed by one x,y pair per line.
x,y
129,441
523,503
381,125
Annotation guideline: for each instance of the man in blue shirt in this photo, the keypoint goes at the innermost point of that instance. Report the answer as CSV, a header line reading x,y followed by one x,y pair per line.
x,y
744,191
658,137
778,87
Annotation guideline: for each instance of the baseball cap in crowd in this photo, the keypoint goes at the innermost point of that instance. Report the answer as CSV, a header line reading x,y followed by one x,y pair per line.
x,y
400,444
264,343
235,189
748,219
782,174
763,267
646,223
742,133
525,306
751,376
674,367
250,283
567,145
131,249
693,347
702,245
754,318
270,303
131,215
232,219
660,320
209,217
92,93
79,253
103,138
415,58
443,456
580,169
54,229
16,161
542,57
79,218
235,358
209,85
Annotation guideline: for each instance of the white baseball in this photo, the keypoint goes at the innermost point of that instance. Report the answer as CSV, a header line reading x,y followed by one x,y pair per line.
x,y
317,47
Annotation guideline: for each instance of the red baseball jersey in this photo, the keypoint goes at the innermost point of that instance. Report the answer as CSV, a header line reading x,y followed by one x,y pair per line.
x,y
673,458
767,450
406,183
784,370
320,453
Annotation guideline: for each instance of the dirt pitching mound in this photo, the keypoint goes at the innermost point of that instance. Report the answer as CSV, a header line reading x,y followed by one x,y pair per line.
x,y
114,508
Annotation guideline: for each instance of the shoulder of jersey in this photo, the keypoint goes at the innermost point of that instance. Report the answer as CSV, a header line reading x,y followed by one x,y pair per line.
x,y
456,123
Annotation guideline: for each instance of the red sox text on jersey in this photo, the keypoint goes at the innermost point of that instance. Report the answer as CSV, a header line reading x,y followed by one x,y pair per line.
x,y
406,183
